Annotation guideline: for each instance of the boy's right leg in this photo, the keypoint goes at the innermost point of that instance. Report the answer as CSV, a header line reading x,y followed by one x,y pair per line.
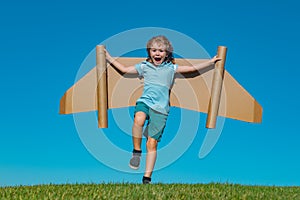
x,y
137,129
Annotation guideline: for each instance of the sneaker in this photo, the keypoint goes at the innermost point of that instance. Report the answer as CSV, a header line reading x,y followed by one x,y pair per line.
x,y
146,180
135,161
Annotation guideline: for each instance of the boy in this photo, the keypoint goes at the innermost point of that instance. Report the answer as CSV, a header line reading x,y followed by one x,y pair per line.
x,y
158,72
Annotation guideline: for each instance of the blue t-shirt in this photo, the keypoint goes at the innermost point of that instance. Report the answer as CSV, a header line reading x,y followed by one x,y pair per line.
x,y
157,83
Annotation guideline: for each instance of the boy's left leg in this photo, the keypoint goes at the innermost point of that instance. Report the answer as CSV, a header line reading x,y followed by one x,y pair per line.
x,y
151,156
157,123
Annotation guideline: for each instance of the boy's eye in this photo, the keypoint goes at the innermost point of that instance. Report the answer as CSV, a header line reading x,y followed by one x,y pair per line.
x,y
160,50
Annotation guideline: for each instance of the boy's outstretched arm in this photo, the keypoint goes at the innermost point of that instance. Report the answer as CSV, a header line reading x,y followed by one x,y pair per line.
x,y
119,66
187,69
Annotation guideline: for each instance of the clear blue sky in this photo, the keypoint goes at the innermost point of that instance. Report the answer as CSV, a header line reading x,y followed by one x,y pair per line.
x,y
43,45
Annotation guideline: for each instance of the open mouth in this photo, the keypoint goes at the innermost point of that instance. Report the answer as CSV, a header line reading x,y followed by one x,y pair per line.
x,y
157,59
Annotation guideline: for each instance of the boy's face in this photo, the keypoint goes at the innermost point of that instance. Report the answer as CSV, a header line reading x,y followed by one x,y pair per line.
x,y
158,53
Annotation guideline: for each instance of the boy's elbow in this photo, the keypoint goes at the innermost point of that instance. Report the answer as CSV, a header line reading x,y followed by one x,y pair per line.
x,y
124,71
129,70
191,69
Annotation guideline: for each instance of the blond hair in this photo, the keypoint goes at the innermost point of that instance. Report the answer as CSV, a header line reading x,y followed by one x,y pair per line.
x,y
160,39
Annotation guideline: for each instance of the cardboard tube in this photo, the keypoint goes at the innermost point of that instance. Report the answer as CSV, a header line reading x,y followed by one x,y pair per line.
x,y
216,89
101,86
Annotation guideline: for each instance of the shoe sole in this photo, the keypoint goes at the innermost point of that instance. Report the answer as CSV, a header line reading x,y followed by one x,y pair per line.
x,y
133,167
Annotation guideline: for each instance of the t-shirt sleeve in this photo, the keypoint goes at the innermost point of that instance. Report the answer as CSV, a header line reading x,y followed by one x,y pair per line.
x,y
175,66
139,68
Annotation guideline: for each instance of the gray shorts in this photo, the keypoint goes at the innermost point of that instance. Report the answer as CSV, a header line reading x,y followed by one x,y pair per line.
x,y
156,121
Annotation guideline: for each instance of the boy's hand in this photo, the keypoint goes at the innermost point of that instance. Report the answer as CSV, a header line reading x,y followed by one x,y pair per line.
x,y
215,59
108,56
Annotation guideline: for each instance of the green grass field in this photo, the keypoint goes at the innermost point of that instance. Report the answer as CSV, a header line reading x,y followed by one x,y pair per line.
x,y
153,191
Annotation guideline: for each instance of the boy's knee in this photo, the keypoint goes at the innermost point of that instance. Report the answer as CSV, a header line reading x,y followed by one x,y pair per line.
x,y
139,119
151,144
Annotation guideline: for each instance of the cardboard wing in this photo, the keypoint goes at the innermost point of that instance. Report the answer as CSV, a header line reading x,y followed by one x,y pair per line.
x,y
189,91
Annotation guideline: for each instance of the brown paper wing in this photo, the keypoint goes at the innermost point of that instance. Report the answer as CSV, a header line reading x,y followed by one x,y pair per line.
x,y
190,92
